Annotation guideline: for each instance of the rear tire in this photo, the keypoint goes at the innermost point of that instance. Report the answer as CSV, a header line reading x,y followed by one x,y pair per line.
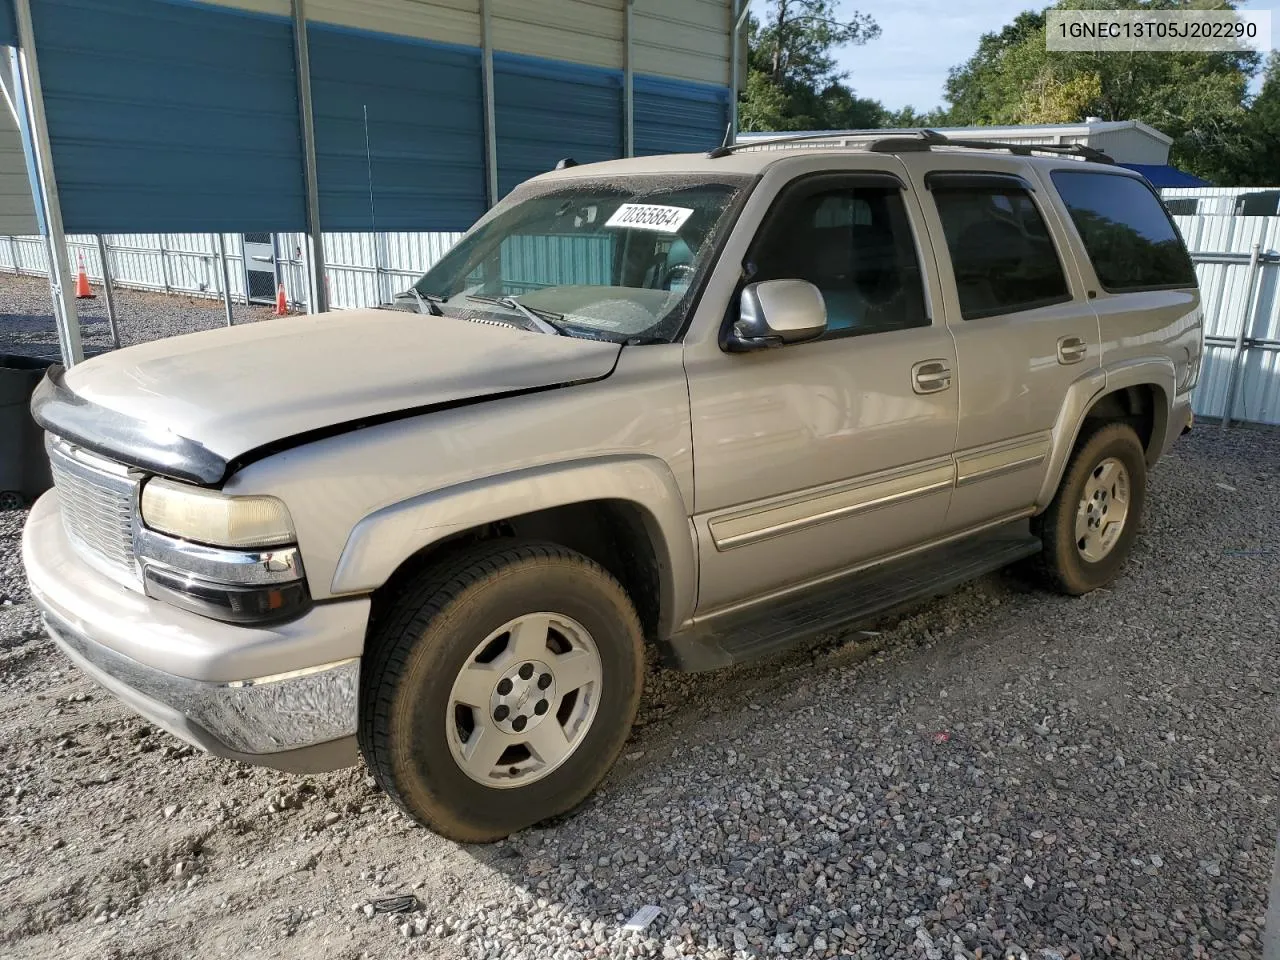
x,y
500,688
1084,544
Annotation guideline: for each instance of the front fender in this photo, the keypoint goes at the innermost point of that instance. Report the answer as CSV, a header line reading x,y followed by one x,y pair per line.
x,y
384,539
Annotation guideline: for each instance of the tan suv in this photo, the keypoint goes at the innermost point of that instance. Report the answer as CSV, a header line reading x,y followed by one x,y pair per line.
x,y
714,403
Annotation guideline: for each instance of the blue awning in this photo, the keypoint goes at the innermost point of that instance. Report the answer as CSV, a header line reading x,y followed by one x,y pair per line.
x,y
1163,175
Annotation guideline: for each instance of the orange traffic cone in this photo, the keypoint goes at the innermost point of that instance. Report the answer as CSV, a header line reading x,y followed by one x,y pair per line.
x,y
83,290
282,302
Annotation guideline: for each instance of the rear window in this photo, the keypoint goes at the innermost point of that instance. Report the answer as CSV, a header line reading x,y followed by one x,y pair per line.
x,y
1126,231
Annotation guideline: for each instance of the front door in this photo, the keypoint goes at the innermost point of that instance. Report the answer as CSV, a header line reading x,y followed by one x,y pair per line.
x,y
817,457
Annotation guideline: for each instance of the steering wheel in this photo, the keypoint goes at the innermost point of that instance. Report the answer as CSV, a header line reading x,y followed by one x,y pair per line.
x,y
676,275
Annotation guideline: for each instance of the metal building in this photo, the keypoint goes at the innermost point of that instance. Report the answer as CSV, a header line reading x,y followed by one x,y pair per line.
x,y
269,116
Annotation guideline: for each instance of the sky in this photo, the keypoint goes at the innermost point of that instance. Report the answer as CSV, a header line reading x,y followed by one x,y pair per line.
x,y
921,39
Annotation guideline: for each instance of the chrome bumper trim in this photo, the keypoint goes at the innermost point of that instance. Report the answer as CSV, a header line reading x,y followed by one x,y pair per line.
x,y
262,715
271,565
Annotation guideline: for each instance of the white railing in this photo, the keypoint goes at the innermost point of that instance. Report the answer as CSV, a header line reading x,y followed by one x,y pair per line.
x,y
362,269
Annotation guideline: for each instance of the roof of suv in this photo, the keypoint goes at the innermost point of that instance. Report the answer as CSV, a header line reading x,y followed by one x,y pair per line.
x,y
754,160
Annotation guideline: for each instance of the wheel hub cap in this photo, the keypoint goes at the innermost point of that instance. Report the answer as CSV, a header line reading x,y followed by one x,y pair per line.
x,y
524,700
1104,507
523,697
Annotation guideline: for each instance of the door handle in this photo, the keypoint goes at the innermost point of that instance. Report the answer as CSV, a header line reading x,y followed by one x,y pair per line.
x,y
1071,349
930,376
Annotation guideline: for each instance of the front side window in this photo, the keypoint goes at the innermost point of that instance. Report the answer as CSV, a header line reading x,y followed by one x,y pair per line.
x,y
1002,255
1126,231
853,243
620,259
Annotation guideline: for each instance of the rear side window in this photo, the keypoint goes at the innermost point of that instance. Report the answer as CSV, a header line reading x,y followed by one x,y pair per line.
x,y
1126,231
1001,252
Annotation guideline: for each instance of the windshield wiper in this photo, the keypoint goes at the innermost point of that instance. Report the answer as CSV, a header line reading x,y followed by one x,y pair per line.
x,y
539,319
427,303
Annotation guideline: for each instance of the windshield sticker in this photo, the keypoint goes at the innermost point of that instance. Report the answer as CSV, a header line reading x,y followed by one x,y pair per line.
x,y
649,216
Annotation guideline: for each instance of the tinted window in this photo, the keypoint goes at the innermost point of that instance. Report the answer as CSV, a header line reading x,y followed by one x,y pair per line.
x,y
852,242
1129,237
1001,252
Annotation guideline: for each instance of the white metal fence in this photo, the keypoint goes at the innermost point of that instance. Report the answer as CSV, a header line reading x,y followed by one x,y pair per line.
x,y
1238,265
363,269
1237,261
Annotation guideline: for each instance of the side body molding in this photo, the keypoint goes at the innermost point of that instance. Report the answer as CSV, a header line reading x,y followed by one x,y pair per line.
x,y
1082,394
384,539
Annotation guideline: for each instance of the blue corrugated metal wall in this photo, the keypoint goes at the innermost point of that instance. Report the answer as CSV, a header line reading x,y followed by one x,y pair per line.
x,y
546,110
425,157
8,29
674,117
177,116
170,116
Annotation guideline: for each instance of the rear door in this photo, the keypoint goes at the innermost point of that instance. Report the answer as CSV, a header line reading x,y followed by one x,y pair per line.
x,y
1021,317
1147,301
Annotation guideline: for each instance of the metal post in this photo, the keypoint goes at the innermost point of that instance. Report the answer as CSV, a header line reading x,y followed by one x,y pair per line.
x,y
164,263
107,292
628,83
66,317
1246,322
226,275
244,270
317,302
490,116
740,11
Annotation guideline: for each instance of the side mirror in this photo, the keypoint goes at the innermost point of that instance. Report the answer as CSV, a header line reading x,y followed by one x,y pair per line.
x,y
778,312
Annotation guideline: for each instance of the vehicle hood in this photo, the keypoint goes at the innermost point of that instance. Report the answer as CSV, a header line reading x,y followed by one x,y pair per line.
x,y
232,391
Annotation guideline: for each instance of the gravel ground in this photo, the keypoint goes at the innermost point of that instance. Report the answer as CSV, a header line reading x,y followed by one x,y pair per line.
x,y
26,317
1002,773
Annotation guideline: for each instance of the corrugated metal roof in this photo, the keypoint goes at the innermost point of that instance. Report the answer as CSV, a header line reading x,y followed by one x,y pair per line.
x,y
689,39
166,116
1163,175
384,162
8,26
446,21
579,31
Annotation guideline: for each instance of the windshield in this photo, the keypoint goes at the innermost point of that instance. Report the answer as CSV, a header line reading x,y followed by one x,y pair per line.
x,y
619,259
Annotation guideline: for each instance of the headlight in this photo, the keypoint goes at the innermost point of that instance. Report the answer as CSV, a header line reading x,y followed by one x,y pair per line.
x,y
207,516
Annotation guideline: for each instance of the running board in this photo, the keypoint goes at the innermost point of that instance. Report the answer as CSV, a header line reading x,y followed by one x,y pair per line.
x,y
858,598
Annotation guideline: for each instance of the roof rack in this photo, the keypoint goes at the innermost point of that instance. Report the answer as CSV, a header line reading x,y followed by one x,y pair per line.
x,y
923,140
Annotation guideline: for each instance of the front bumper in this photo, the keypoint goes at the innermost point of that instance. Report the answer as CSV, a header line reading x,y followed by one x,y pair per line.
x,y
284,696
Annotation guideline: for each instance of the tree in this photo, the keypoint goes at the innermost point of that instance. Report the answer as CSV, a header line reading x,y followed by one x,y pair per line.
x,y
1250,154
1196,98
792,80
908,117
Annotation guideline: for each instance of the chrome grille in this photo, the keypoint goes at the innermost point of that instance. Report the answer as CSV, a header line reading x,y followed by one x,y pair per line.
x,y
97,500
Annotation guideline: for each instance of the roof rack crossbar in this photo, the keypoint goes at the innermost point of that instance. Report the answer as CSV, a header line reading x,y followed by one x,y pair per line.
x,y
925,139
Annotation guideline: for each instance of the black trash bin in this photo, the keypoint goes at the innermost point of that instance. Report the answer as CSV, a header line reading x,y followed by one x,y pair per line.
x,y
24,466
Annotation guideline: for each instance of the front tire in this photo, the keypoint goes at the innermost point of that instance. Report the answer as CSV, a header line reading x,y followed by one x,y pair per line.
x,y
500,688
1089,527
